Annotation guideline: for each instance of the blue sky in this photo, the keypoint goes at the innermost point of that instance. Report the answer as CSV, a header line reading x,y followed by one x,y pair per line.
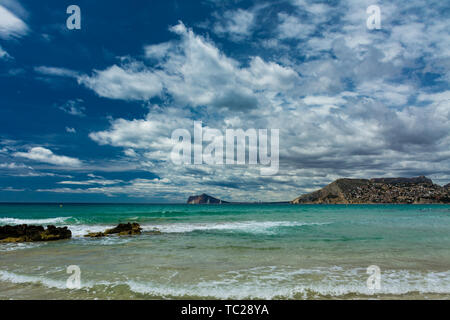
x,y
87,115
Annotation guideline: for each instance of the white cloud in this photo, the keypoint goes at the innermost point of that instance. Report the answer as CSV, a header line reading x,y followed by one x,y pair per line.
x,y
4,55
45,155
194,73
11,189
158,51
13,165
237,24
11,26
321,100
59,72
293,27
103,182
129,83
74,108
150,134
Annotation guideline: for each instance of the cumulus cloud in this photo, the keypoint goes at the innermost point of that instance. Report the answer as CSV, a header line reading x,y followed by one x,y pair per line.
x,y
129,82
45,155
193,72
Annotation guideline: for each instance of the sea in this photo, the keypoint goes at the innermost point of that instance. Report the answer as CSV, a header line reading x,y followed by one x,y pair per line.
x,y
231,251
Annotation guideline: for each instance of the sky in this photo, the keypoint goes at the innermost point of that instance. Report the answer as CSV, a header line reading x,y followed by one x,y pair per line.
x,y
86,115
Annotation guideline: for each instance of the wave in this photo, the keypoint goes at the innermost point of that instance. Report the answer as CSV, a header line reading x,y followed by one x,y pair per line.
x,y
267,227
12,277
79,230
16,221
276,286
18,278
336,283
242,226
5,247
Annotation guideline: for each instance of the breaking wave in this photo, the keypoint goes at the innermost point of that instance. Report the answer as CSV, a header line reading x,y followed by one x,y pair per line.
x,y
242,226
269,283
16,221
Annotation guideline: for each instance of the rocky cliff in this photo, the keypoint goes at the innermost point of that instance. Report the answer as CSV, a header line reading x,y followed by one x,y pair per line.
x,y
378,190
204,199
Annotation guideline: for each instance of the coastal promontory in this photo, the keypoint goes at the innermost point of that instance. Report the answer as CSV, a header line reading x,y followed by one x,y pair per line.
x,y
417,190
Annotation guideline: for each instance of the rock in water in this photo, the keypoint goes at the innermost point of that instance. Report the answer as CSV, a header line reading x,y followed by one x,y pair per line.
x,y
95,234
204,199
123,229
26,233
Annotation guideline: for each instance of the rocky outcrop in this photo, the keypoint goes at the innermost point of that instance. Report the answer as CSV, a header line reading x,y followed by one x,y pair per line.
x,y
204,199
419,190
123,229
447,186
26,233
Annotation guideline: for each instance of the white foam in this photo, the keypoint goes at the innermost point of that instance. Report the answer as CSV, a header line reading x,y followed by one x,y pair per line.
x,y
45,281
79,230
16,221
17,278
278,286
243,226
283,284
19,246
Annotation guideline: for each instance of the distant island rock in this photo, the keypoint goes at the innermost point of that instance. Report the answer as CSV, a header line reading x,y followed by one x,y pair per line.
x,y
204,199
417,190
26,233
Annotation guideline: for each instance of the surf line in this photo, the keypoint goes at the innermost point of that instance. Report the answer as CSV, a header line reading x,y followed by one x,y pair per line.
x,y
193,310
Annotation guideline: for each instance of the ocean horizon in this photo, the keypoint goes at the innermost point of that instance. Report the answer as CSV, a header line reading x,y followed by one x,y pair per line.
x,y
231,251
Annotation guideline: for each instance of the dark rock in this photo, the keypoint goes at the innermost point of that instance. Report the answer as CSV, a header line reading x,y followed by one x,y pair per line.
x,y
25,233
204,199
95,234
378,190
123,229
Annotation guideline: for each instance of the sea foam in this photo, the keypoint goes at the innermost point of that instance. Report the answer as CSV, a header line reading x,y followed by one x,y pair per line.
x,y
241,226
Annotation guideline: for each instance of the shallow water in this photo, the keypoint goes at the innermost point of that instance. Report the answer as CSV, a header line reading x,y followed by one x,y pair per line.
x,y
233,251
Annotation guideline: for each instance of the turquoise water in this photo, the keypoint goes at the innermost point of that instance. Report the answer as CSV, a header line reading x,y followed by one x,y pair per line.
x,y
233,251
